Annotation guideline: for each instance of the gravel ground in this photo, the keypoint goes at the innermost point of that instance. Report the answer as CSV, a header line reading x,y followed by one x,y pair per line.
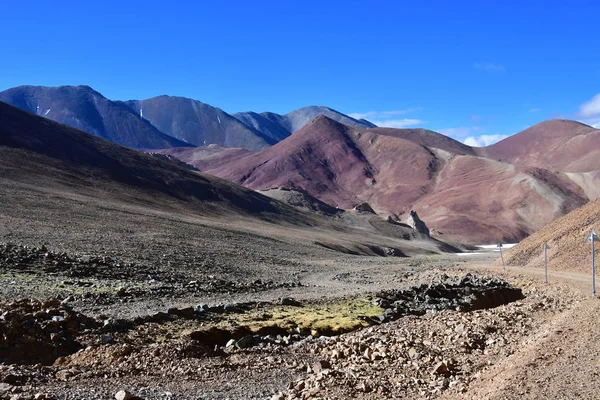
x,y
125,266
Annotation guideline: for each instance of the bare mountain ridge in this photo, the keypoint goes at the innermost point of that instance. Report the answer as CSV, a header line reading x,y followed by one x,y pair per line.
x,y
163,121
198,123
458,192
83,108
281,126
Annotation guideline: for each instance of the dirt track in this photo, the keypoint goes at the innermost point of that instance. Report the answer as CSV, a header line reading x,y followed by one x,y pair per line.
x,y
561,359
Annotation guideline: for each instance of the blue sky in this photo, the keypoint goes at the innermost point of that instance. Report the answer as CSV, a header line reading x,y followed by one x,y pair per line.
x,y
465,68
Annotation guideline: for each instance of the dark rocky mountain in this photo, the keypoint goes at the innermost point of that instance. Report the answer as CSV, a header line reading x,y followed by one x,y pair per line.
x,y
164,121
281,126
270,124
199,124
83,108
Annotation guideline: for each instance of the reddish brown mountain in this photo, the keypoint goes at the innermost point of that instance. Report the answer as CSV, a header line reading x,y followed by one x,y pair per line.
x,y
463,195
427,138
562,145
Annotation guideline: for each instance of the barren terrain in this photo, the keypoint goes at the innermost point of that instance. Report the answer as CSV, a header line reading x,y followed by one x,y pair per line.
x,y
123,275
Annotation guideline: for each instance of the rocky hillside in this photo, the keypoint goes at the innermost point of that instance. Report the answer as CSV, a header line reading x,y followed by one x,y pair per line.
x,y
565,237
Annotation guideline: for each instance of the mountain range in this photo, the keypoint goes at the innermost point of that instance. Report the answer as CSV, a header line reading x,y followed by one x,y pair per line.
x,y
502,192
52,175
163,121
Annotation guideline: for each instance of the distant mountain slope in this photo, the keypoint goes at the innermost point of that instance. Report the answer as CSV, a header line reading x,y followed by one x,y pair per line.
x,y
470,198
563,145
83,108
301,117
281,126
268,124
199,124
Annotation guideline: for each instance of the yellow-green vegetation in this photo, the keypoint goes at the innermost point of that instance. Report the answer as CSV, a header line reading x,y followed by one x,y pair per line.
x,y
331,318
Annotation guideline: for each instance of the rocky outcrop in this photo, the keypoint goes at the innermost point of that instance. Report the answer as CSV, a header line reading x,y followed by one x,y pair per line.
x,y
415,222
365,207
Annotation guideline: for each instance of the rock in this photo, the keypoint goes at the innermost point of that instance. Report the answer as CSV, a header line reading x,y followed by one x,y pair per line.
x,y
413,353
5,388
278,396
106,339
440,368
244,342
365,207
124,395
288,301
416,223
201,308
320,366
230,343
64,375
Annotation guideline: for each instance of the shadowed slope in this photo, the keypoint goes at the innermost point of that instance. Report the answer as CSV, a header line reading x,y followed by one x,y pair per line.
x,y
206,157
197,123
51,154
83,108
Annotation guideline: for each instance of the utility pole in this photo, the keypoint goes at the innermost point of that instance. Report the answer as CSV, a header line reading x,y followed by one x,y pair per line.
x,y
501,256
592,238
545,264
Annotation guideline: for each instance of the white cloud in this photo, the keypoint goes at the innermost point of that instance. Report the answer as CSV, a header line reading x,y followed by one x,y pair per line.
x,y
590,108
483,140
490,67
398,123
383,114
